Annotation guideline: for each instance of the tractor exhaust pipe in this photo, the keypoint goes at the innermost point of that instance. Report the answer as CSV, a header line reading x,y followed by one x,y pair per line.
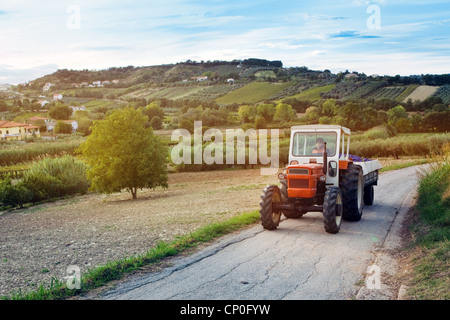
x,y
325,158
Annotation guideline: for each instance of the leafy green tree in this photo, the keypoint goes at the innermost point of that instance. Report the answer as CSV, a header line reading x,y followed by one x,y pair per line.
x,y
396,113
62,127
247,113
267,111
156,123
284,112
403,125
329,108
123,154
153,110
60,112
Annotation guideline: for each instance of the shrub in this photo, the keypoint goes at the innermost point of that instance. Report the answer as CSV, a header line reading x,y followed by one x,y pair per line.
x,y
14,194
56,177
156,123
62,127
260,122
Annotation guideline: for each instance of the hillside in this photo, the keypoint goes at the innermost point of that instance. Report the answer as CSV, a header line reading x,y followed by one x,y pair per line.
x,y
226,83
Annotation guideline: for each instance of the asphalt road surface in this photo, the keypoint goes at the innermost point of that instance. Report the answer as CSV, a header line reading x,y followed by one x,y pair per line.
x,y
299,260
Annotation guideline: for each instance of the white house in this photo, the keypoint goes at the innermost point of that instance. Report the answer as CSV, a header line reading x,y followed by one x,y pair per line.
x,y
43,102
47,86
230,80
77,108
200,79
57,96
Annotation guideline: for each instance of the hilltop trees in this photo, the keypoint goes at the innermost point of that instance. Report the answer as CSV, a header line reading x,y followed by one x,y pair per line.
x,y
123,154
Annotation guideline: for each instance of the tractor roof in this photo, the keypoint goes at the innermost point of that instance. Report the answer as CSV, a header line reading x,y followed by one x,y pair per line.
x,y
321,127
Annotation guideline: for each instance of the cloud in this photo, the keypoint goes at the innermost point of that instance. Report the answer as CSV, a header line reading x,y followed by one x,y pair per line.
x,y
351,34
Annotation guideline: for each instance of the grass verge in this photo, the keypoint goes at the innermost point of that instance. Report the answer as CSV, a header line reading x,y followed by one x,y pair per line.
x,y
116,270
431,235
397,166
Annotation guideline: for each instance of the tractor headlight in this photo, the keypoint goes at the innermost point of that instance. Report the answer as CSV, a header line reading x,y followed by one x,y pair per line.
x,y
323,178
281,176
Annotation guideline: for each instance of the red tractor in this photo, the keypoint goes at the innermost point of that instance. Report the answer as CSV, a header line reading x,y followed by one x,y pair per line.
x,y
321,176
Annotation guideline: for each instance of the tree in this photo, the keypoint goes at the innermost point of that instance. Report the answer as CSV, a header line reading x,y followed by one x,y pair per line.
x,y
60,112
260,122
3,106
266,110
62,127
284,112
123,154
156,123
396,113
247,113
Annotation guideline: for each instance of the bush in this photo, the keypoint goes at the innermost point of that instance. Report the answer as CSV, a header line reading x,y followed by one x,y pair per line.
x,y
260,122
156,123
62,127
56,177
14,194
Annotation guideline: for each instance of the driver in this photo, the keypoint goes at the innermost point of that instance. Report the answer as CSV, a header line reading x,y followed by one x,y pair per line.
x,y
319,146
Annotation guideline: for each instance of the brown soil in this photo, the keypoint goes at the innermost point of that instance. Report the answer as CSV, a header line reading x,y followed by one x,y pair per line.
x,y
41,242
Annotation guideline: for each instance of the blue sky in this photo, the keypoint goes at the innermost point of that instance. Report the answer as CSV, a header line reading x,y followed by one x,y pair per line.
x,y
374,37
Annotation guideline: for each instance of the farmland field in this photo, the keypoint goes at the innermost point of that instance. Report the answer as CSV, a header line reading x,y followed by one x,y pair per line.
x,y
387,93
168,93
444,93
421,93
253,92
314,93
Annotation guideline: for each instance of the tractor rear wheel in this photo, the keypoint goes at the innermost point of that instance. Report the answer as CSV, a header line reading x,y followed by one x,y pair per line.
x,y
352,188
284,198
368,195
270,219
332,210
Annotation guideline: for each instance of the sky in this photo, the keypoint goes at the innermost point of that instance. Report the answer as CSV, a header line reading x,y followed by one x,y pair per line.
x,y
381,37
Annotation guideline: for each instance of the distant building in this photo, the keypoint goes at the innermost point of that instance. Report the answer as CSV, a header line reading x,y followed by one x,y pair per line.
x,y
43,102
200,79
230,80
57,96
351,76
17,131
47,86
77,108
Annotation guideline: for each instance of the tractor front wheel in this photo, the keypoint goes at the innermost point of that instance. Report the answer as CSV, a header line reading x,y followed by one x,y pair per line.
x,y
270,216
332,210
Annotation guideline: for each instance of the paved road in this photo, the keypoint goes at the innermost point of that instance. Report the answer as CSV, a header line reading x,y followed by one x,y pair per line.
x,y
299,260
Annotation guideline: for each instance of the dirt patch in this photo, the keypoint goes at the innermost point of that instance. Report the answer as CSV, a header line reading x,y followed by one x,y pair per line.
x,y
41,242
421,93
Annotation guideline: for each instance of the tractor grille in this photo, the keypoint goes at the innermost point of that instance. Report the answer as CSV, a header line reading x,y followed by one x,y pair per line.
x,y
298,183
299,171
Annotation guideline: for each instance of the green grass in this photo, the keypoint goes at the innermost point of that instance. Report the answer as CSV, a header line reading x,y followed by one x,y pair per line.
x,y
432,235
314,93
404,165
116,270
253,92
